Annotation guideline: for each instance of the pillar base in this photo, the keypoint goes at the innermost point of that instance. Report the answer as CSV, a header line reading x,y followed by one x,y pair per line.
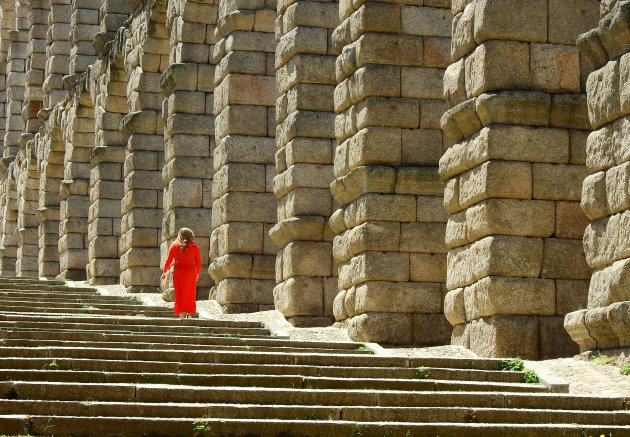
x,y
311,322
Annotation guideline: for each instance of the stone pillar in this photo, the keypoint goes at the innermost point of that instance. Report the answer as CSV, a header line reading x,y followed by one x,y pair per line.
x,y
142,204
57,52
84,26
244,207
8,242
51,165
605,323
390,223
519,123
35,65
3,101
108,87
28,178
16,82
15,32
113,15
27,224
305,63
78,133
189,128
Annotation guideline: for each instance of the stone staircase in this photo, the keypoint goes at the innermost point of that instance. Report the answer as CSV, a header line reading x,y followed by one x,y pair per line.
x,y
76,363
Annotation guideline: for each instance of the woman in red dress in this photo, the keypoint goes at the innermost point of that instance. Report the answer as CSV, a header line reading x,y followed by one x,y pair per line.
x,y
185,253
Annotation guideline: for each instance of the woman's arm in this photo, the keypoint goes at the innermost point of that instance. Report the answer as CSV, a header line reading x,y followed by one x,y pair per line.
x,y
169,258
197,260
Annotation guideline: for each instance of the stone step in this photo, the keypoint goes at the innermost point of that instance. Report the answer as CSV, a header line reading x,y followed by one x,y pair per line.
x,y
308,412
85,335
208,356
61,297
128,426
276,381
253,369
138,328
29,280
137,309
205,356
140,392
62,306
53,289
29,343
126,320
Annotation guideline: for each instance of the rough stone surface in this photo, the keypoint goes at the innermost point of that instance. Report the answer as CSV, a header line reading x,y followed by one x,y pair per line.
x,y
418,172
603,324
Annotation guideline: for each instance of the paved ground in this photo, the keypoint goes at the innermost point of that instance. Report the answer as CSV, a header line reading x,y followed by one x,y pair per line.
x,y
583,376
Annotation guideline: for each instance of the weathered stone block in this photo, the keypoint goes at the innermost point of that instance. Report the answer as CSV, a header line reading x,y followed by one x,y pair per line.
x,y
564,259
607,240
298,296
570,220
494,256
617,191
602,88
514,107
571,295
307,258
422,237
610,284
424,267
425,21
430,209
369,236
392,328
558,182
397,297
454,308
496,179
431,330
378,48
527,218
555,341
380,266
494,336
594,199
244,207
494,19
253,291
504,296
400,208
577,17
496,66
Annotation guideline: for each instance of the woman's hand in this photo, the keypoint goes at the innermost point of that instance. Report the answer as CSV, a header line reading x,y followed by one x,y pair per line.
x,y
163,276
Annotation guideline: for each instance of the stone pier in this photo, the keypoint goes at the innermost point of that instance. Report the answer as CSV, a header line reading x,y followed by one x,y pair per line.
x,y
144,160
305,82
518,122
108,90
188,111
604,323
50,161
390,223
244,208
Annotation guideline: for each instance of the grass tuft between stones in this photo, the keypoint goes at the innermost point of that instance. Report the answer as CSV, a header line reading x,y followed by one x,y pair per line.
x,y
530,377
512,365
601,360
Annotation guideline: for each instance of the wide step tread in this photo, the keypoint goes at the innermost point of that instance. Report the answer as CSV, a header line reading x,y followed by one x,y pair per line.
x,y
128,426
75,362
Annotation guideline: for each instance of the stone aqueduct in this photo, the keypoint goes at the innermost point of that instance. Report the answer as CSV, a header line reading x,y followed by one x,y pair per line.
x,y
419,171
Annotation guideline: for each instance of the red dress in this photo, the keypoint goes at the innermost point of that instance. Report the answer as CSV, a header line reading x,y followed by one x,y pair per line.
x,y
185,274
